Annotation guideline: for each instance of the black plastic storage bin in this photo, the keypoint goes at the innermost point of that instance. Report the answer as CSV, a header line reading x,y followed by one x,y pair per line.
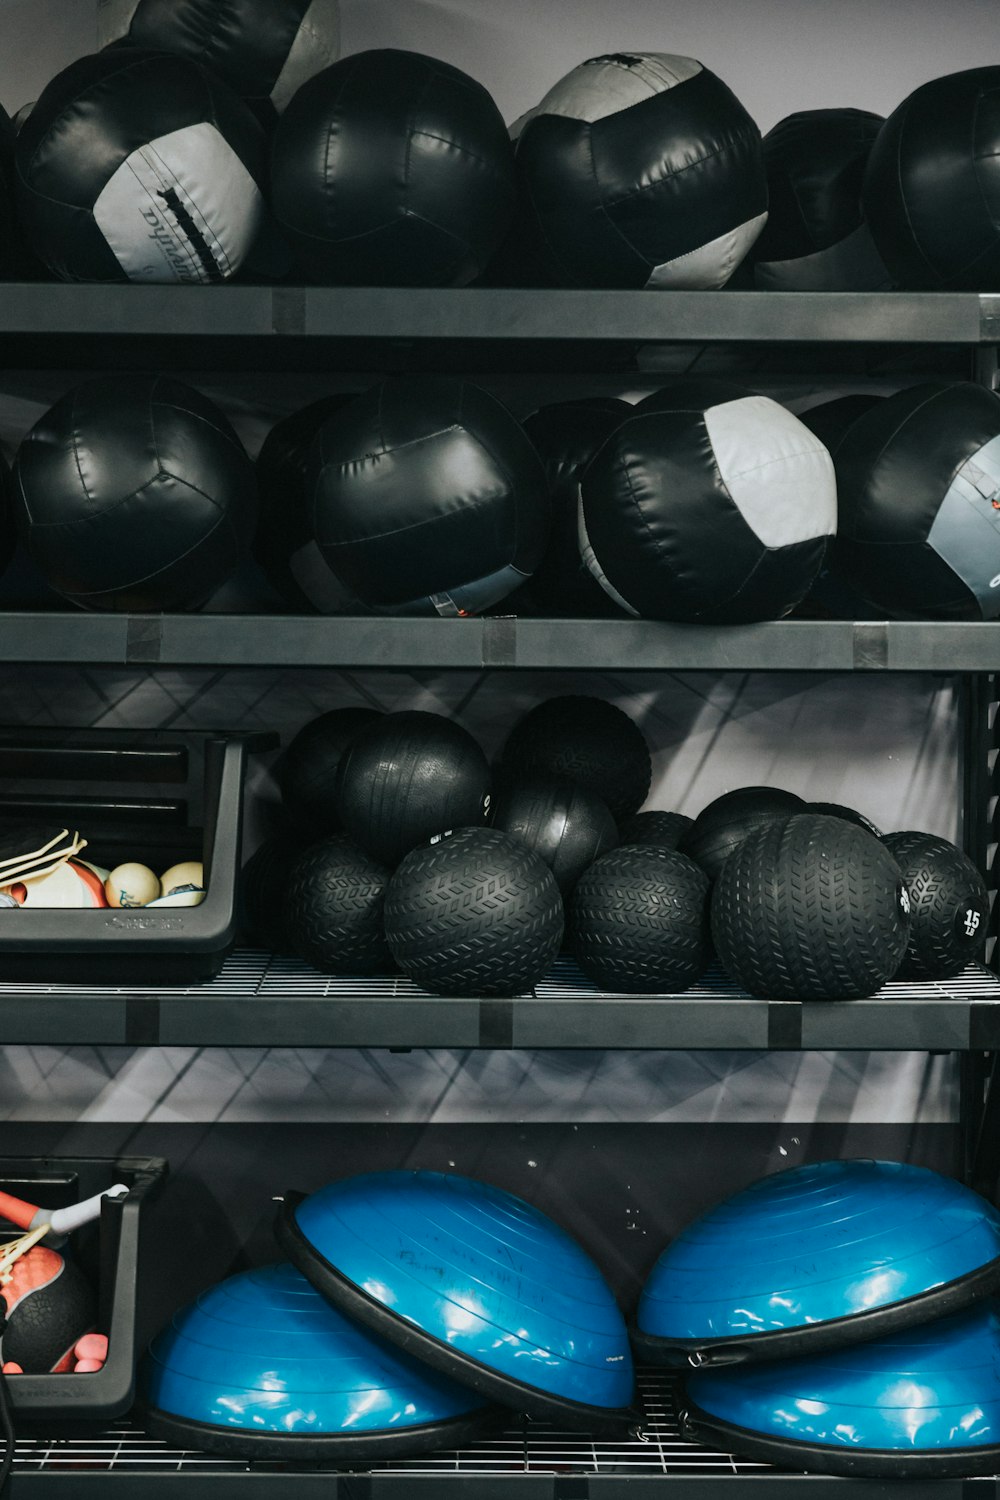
x,y
108,1250
150,795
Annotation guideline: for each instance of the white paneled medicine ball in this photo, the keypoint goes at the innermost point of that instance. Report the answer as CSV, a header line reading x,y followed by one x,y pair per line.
x,y
140,166
427,497
392,169
134,493
641,170
714,516
264,49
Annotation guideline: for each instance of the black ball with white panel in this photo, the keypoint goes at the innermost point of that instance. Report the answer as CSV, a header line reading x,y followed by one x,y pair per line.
x,y
141,166
642,170
949,905
713,516
264,49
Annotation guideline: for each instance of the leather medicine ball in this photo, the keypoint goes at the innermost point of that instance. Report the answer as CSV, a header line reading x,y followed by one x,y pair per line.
x,y
918,479
810,908
638,920
563,822
307,771
718,516
407,777
815,238
427,498
392,169
724,823
263,49
475,912
949,905
641,170
141,166
932,185
333,908
134,493
592,742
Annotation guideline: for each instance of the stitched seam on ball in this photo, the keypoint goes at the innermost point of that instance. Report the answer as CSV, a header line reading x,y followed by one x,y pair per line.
x,y
334,108
132,583
907,110
115,73
603,207
76,455
198,416
891,438
671,176
411,125
109,510
782,458
472,155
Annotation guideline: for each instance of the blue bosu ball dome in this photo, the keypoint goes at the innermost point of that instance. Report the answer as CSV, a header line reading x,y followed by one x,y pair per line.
x,y
478,1283
924,1402
816,1257
261,1365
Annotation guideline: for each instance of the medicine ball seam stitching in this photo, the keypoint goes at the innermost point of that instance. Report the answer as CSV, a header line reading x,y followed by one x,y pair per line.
x,y
134,582
646,187
472,155
231,437
126,67
603,206
783,458
904,121
882,451
109,510
76,451
412,526
411,124
331,113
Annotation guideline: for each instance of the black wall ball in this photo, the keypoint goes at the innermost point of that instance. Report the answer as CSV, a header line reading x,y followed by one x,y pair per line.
x,y
664,829
641,170
407,777
334,908
307,770
638,920
590,741
133,492
949,905
810,908
474,913
141,166
392,169
724,823
563,822
427,498
830,420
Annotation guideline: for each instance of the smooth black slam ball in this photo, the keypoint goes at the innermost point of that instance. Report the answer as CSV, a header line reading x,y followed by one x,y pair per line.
x,y
307,770
392,169
641,170
810,908
476,913
932,185
663,829
590,741
141,166
718,515
409,776
918,479
334,908
427,498
559,819
722,826
639,920
134,493
816,238
949,905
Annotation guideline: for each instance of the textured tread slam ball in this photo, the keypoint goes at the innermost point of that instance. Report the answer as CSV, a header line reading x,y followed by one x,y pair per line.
x,y
949,905
407,777
811,908
392,169
134,493
642,170
639,920
590,741
141,166
563,822
307,772
723,825
718,515
663,829
838,810
334,909
428,498
475,913
263,49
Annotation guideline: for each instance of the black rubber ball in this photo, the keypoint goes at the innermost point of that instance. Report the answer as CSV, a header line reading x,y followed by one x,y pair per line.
x,y
639,920
838,810
475,913
52,1303
662,829
307,771
949,905
723,825
810,908
563,822
334,906
263,885
589,740
408,776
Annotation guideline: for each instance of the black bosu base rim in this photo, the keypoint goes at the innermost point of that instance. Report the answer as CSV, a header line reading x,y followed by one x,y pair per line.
x,y
816,1338
699,1426
348,1297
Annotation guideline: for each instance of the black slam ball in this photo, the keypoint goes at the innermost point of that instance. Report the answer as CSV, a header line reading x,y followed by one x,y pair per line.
x,y
639,920
307,770
562,821
333,913
141,166
810,908
427,498
588,740
408,776
949,905
476,913
263,885
723,824
838,810
133,492
392,169
664,829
